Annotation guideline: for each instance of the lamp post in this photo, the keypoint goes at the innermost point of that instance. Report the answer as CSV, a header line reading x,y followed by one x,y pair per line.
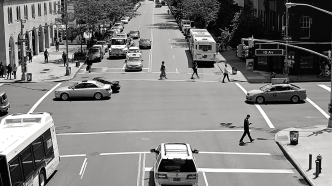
x,y
286,51
289,5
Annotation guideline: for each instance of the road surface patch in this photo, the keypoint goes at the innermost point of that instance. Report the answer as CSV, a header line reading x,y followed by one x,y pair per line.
x,y
42,98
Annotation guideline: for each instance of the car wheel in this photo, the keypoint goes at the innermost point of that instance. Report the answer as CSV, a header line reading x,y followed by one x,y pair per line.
x,y
42,179
295,99
98,96
64,96
260,100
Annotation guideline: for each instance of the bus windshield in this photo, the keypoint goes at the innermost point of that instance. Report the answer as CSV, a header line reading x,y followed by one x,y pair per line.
x,y
205,47
118,42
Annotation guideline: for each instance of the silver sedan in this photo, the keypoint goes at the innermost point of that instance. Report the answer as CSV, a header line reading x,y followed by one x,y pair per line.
x,y
88,89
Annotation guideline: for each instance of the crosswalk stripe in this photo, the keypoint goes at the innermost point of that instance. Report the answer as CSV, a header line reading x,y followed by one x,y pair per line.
x,y
325,87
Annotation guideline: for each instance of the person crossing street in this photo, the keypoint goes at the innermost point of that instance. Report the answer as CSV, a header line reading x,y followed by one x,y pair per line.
x,y
195,66
225,74
162,71
246,129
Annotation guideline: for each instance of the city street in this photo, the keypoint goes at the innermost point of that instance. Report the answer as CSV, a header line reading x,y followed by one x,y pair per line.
x,y
108,142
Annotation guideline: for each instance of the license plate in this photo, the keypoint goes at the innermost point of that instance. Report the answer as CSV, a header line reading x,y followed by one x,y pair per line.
x,y
205,56
176,179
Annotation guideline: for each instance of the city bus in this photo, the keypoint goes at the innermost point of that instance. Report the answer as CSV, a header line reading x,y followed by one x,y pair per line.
x,y
29,151
202,46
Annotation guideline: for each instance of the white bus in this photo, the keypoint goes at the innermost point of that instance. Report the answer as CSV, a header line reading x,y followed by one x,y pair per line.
x,y
29,151
202,46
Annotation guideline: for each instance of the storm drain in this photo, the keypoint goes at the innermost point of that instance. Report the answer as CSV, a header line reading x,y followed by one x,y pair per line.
x,y
278,157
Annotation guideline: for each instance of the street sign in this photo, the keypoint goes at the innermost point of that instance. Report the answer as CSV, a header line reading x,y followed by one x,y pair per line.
x,y
24,21
23,40
289,38
269,52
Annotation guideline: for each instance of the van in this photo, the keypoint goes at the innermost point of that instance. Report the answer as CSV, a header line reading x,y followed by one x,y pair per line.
x,y
101,49
4,104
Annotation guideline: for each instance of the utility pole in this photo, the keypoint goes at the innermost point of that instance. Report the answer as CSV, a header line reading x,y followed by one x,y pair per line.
x,y
66,15
286,67
22,45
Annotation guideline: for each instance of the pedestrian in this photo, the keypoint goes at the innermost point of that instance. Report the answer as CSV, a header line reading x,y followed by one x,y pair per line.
x,y
163,71
195,66
1,69
225,74
30,55
46,54
57,45
64,58
89,64
9,71
14,70
246,129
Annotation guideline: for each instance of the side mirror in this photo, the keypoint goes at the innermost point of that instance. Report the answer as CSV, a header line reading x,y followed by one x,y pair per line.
x,y
195,151
142,60
153,150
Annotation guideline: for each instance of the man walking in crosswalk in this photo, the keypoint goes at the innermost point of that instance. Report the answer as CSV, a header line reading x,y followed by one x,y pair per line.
x,y
246,129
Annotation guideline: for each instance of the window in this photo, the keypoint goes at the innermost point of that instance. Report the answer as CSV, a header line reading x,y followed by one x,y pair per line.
x,y
48,144
39,9
80,86
306,60
50,7
15,171
18,13
27,162
33,12
205,47
305,22
10,15
26,12
177,165
38,150
91,85
59,6
45,9
262,60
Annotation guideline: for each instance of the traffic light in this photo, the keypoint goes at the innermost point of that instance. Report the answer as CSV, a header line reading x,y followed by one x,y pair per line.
x,y
245,52
239,50
329,108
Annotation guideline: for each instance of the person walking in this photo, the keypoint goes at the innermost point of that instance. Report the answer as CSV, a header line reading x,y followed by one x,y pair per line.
x,y
163,71
57,45
9,71
1,69
195,66
246,129
225,74
46,55
30,55
64,58
14,70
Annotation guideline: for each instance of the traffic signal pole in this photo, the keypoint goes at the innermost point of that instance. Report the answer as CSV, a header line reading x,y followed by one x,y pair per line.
x,y
23,63
286,67
66,36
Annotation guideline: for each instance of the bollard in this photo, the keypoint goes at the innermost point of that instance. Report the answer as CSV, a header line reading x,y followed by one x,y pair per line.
x,y
319,159
310,161
317,168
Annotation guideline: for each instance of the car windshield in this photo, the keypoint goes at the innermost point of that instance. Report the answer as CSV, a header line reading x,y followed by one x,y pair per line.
x,y
117,24
145,40
177,165
133,50
265,87
133,32
118,42
93,50
295,87
134,59
99,84
73,85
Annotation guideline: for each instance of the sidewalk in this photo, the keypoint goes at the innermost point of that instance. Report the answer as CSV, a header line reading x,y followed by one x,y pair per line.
x,y
260,76
54,70
312,140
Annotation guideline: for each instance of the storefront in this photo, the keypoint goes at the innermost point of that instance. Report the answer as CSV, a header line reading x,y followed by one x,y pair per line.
x,y
269,58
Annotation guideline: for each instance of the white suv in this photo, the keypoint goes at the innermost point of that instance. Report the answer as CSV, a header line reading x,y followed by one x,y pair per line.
x,y
175,165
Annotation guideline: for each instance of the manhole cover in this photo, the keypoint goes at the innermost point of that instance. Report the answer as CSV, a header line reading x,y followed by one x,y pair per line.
x,y
145,139
62,128
279,157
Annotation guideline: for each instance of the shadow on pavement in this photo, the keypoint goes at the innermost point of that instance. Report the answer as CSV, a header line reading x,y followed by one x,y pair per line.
x,y
180,42
276,103
82,99
164,26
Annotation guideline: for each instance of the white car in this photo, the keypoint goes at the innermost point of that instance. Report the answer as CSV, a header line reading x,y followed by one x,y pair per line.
x,y
134,61
134,50
103,44
125,19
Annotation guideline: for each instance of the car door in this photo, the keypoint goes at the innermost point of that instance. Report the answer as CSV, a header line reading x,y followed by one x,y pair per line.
x,y
285,93
91,89
78,90
271,94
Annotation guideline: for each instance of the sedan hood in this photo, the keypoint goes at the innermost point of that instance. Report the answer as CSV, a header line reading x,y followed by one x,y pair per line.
x,y
118,46
62,89
253,92
134,63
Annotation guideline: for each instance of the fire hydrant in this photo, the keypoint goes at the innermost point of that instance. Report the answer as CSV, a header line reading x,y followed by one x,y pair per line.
x,y
319,159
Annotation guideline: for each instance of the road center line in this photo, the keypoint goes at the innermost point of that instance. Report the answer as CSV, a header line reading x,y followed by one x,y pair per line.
x,y
216,170
318,108
42,98
147,131
83,166
268,121
84,169
237,153
1,84
122,153
325,87
74,155
206,182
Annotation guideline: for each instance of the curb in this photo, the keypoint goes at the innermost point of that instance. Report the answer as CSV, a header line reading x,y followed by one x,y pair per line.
x,y
293,161
65,79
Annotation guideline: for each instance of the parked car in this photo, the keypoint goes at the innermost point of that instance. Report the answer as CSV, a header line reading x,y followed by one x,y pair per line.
x,y
4,103
125,19
277,92
103,44
134,50
120,25
86,88
102,49
134,61
118,28
145,43
94,54
115,86
135,34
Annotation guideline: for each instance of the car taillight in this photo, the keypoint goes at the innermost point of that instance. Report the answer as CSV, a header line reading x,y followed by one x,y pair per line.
x,y
192,176
161,176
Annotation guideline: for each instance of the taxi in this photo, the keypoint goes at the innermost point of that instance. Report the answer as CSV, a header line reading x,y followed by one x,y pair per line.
x,y
134,49
277,92
4,103
134,62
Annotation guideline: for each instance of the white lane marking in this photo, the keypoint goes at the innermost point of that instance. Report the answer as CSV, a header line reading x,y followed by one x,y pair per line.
x,y
83,166
84,169
176,69
147,131
42,98
169,39
143,172
122,153
1,84
74,155
171,46
115,68
325,87
173,56
318,108
124,65
268,121
166,72
173,80
206,182
122,73
151,50
216,170
237,153
139,169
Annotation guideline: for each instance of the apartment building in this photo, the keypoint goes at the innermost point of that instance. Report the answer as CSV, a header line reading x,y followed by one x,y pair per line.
x,y
39,27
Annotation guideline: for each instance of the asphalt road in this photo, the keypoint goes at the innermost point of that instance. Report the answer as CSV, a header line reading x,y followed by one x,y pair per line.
x,y
107,142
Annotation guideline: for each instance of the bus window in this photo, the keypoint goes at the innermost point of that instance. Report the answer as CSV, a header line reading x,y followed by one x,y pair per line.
x,y
48,145
196,47
38,151
4,176
27,162
205,47
15,171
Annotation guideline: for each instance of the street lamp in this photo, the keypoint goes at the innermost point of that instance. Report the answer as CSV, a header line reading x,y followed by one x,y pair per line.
x,y
288,5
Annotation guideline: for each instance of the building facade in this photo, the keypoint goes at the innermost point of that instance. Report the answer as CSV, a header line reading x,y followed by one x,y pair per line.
x,y
37,20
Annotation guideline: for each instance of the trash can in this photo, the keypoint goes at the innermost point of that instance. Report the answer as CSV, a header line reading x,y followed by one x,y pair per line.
x,y
29,76
77,63
234,70
294,137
